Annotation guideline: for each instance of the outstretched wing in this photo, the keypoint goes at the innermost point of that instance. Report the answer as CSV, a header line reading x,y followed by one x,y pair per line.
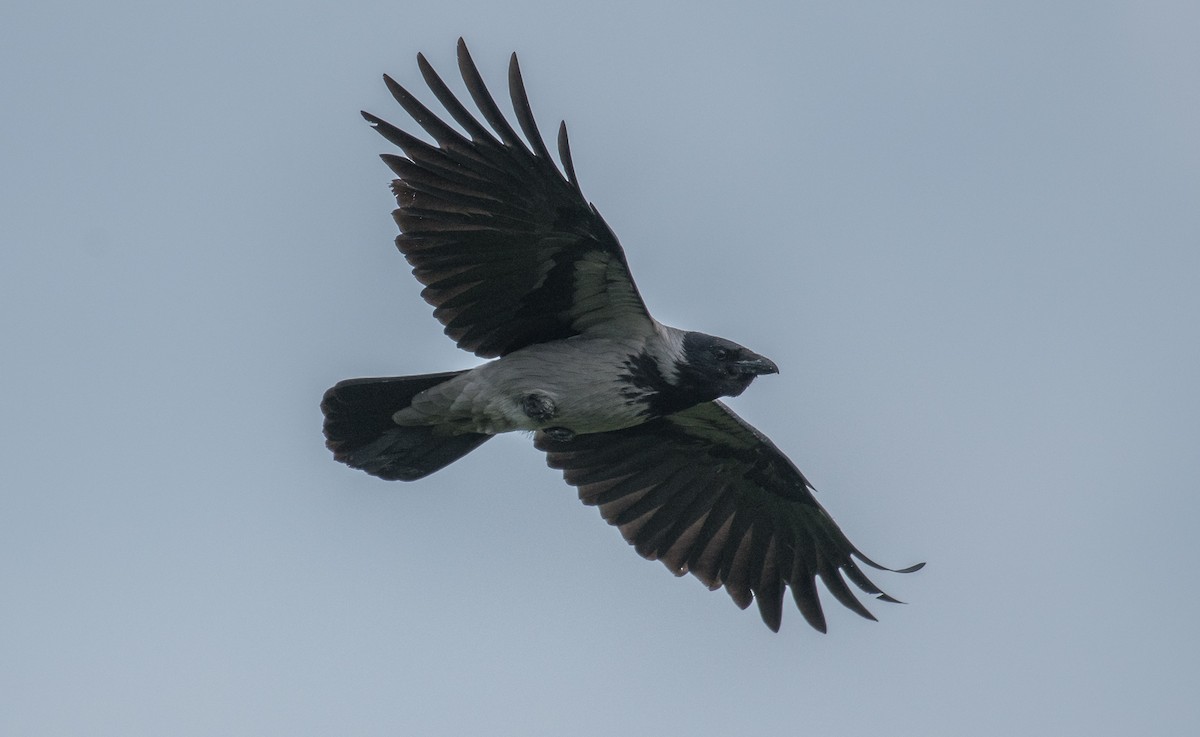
x,y
706,493
509,251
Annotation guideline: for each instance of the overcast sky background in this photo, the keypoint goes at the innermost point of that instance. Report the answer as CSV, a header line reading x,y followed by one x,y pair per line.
x,y
968,233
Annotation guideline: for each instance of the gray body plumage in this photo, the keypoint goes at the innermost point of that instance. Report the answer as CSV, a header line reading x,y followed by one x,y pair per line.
x,y
521,269
583,383
577,378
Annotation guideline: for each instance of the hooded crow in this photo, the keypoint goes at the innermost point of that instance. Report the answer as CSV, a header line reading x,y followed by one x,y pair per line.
x,y
520,268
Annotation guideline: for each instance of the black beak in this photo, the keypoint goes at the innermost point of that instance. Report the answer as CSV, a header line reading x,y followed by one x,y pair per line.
x,y
757,365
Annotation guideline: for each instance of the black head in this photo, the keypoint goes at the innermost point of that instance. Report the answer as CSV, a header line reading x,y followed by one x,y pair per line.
x,y
718,367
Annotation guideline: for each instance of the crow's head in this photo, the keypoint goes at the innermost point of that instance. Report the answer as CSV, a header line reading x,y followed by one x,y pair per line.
x,y
719,368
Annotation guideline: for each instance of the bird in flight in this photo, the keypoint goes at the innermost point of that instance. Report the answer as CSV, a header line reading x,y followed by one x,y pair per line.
x,y
520,268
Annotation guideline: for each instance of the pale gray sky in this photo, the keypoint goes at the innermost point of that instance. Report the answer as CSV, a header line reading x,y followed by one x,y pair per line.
x,y
968,233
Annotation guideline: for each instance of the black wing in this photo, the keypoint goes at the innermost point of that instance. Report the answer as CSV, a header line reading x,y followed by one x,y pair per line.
x,y
509,251
706,493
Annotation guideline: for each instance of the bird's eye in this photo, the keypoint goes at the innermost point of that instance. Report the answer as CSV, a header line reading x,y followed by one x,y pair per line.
x,y
721,354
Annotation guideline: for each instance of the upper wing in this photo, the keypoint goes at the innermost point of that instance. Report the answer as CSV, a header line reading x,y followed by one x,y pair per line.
x,y
706,493
509,251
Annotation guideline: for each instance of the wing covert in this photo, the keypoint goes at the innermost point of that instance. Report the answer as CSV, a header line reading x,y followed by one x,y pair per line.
x,y
509,251
706,493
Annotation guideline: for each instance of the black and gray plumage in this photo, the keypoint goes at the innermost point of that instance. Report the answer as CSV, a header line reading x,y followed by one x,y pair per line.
x,y
521,268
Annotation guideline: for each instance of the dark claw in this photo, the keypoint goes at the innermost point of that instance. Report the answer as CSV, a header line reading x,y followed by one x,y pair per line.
x,y
559,434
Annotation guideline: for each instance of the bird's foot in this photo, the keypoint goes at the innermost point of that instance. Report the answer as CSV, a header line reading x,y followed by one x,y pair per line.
x,y
538,407
559,434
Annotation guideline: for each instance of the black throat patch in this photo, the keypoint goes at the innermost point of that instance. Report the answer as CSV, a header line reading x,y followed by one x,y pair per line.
x,y
649,388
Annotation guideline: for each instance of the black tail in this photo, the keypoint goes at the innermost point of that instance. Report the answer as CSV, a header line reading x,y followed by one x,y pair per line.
x,y
360,431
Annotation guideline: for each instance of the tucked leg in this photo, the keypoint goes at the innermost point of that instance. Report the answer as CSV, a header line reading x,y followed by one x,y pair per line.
x,y
560,434
538,407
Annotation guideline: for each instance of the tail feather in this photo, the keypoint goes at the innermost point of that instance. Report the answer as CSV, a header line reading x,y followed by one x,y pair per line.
x,y
361,433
